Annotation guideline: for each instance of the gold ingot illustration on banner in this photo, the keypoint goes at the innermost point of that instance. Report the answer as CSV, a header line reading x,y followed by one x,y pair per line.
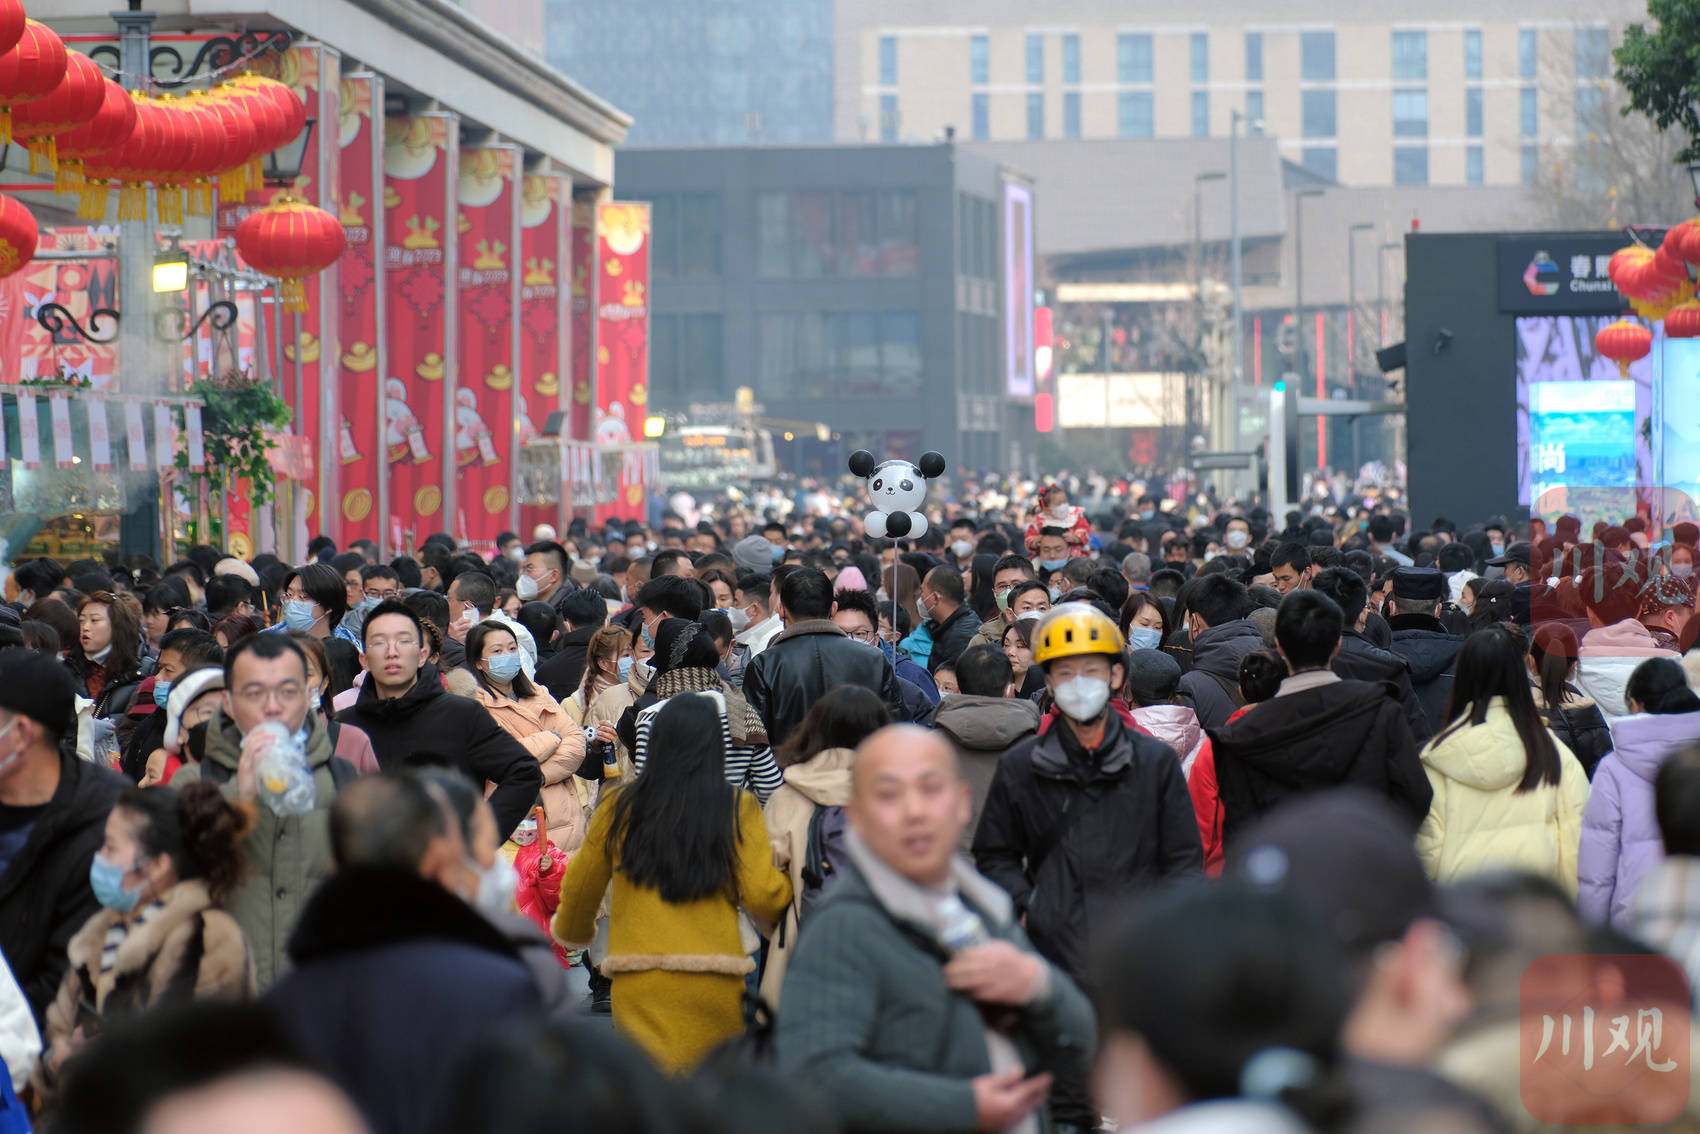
x,y
495,498
430,367
499,378
548,385
427,500
357,505
309,348
359,358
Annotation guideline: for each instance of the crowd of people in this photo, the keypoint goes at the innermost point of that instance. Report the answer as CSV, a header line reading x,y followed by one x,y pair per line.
x,y
1061,816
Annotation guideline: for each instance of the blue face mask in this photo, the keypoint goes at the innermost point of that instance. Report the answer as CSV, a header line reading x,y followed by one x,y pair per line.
x,y
625,667
778,554
504,667
298,614
1497,548
1053,564
161,692
648,640
106,878
1143,638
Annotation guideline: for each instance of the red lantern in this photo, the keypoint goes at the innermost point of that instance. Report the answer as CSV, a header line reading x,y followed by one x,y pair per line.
x,y
29,72
292,240
1625,266
18,235
73,103
288,103
1683,321
11,24
209,143
240,136
1669,267
107,130
157,148
1624,342
268,120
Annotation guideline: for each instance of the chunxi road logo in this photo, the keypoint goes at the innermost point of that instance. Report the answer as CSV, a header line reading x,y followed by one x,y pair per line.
x,y
1541,276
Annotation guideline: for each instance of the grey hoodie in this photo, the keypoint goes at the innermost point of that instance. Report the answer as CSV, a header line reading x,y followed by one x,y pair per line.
x,y
981,729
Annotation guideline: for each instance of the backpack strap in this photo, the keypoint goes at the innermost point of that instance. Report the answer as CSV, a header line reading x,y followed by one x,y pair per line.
x,y
1228,687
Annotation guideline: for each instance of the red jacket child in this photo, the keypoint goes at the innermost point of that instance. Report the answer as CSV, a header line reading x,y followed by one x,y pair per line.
x,y
540,865
1056,512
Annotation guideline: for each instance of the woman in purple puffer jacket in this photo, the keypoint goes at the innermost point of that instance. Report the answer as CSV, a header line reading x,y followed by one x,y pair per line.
x,y
1620,835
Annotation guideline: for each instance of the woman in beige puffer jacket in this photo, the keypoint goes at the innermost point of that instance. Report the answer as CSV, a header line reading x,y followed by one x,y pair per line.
x,y
1507,793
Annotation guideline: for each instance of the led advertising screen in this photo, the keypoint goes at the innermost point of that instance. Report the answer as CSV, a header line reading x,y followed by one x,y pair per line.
x,y
1018,288
1580,423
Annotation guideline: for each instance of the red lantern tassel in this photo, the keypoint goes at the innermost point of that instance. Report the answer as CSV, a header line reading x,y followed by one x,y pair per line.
x,y
5,125
69,177
200,198
295,295
44,155
132,201
170,204
256,174
233,183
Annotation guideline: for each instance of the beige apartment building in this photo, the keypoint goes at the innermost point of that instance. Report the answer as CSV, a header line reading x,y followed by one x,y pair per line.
x,y
1374,93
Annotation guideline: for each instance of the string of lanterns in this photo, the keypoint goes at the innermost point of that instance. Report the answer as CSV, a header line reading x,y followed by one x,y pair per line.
x,y
1658,286
95,136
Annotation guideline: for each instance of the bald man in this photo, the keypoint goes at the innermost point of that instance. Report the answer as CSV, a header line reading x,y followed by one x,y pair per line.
x,y
883,996
259,1102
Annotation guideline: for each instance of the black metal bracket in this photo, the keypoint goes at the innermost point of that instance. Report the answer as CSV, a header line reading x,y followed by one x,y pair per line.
x,y
54,318
221,315
215,54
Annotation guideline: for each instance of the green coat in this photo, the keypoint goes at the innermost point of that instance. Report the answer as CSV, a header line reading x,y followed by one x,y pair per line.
x,y
868,1021
287,857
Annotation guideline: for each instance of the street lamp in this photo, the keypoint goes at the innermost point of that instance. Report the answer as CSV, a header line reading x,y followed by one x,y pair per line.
x,y
1694,177
1198,284
1299,276
283,165
1352,285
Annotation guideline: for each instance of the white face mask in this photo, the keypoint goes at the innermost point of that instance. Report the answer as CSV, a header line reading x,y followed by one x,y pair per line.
x,y
526,588
1082,698
740,620
1237,539
961,548
497,886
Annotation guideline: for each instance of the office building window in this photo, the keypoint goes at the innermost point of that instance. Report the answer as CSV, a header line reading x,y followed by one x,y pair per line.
x,y
1035,58
1201,114
1316,56
888,118
1071,58
1526,53
773,235
1071,114
1254,112
1133,58
1472,165
1410,113
817,234
1472,54
699,234
1528,118
979,61
1254,57
686,357
982,118
1593,53
1035,116
1318,109
663,235
1200,57
1321,160
1410,165
1473,112
814,249
1591,111
1133,114
1410,55
888,61
1531,164
839,353
858,235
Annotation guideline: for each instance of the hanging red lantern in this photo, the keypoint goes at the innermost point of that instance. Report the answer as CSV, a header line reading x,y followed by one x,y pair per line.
x,y
240,138
30,72
12,22
1669,267
1625,266
107,130
1677,242
268,120
1624,342
18,235
289,104
292,240
156,150
73,103
208,145
1683,321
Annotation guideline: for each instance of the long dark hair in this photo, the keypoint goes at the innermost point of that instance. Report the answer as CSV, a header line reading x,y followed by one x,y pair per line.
x,y
1660,686
980,598
1139,600
842,718
1554,652
200,829
1489,665
1493,604
125,615
675,829
523,688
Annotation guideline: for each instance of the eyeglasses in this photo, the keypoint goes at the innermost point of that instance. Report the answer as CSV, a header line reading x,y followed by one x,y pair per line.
x,y
383,645
288,693
381,595
869,636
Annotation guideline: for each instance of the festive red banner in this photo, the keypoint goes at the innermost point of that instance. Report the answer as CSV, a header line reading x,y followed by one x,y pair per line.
x,y
27,350
420,176
360,443
583,275
489,291
545,250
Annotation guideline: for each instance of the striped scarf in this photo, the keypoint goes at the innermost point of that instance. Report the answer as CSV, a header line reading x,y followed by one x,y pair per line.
x,y
747,728
120,929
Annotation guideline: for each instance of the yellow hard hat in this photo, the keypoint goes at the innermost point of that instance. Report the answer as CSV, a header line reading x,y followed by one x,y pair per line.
x,y
1075,629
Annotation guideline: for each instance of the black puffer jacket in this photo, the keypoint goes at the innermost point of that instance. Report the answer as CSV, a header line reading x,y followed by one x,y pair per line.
x,y
45,895
1142,830
1423,642
1345,732
1360,660
428,718
1216,657
951,636
803,661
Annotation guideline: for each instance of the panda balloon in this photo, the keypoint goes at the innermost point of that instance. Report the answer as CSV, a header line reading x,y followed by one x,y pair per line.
x,y
896,489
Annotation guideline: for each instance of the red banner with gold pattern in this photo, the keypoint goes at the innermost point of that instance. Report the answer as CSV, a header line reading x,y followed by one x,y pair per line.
x,y
421,176
27,349
582,272
309,386
483,427
622,321
359,450
544,330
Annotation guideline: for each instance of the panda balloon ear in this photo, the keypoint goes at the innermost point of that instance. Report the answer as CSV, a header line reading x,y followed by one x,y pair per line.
x,y
931,465
862,463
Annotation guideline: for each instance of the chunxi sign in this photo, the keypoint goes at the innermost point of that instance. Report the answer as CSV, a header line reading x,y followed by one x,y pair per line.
x,y
1561,274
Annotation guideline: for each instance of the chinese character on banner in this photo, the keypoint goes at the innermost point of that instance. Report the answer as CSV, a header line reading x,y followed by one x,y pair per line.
x,y
488,287
1604,1039
361,284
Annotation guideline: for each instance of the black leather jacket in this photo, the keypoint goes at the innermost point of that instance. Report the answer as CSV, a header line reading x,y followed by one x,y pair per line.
x,y
802,662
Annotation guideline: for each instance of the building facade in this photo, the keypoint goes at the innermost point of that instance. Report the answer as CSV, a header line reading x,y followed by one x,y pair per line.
x,y
859,287
704,72
1375,94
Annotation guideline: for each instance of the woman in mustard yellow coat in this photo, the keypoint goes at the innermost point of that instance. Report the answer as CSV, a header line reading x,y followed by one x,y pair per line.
x,y
685,849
